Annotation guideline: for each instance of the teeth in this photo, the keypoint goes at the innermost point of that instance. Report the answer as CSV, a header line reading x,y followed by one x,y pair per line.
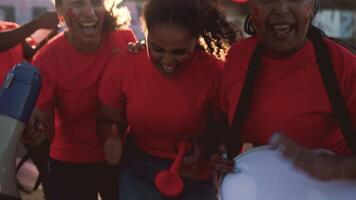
x,y
86,24
89,28
281,27
281,30
168,69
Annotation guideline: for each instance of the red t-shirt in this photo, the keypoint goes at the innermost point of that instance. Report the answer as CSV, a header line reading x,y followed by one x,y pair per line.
x,y
70,82
160,110
290,96
11,56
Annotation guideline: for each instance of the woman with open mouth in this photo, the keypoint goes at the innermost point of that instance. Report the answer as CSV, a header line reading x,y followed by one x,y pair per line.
x,y
71,66
281,78
166,94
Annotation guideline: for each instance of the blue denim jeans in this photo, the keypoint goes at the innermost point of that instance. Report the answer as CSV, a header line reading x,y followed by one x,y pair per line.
x,y
137,175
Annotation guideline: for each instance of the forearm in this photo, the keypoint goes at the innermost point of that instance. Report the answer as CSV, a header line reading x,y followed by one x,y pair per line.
x,y
39,127
103,129
14,37
346,168
46,118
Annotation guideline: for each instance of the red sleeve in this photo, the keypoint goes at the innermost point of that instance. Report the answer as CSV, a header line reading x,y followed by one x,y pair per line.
x,y
45,99
129,35
110,90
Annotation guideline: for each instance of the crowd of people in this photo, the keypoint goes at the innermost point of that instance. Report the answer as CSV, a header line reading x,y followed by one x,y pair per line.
x,y
114,116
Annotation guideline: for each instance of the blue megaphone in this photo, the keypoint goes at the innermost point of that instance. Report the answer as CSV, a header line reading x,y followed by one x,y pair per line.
x,y
18,96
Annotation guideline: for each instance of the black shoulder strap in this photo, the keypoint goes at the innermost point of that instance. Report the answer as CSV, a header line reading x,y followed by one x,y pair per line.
x,y
233,140
332,87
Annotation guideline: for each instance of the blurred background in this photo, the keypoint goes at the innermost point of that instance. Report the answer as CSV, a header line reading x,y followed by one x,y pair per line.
x,y
336,17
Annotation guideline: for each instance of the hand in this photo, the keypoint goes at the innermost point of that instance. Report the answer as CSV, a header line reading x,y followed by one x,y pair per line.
x,y
34,132
48,20
113,146
136,47
194,166
220,164
318,164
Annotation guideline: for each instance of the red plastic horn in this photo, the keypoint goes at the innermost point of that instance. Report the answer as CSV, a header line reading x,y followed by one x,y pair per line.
x,y
168,182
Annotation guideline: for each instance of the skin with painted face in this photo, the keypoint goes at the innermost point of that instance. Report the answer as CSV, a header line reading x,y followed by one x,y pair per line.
x,y
170,48
84,20
282,24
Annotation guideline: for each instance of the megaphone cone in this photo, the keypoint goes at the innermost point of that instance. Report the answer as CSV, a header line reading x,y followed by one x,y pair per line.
x,y
17,99
10,133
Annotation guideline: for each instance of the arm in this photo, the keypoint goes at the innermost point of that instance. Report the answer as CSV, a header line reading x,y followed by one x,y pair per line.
x,y
9,39
111,122
109,116
29,51
40,126
318,164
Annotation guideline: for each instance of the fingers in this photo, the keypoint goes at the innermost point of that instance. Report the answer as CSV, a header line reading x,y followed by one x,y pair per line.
x,y
318,164
135,47
287,147
220,164
142,44
216,179
223,151
322,167
113,149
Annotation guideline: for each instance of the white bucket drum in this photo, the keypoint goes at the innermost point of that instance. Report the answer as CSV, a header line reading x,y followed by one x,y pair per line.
x,y
266,175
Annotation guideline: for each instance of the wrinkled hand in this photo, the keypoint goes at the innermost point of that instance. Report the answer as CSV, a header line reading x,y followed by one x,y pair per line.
x,y
48,20
318,164
113,146
136,47
220,164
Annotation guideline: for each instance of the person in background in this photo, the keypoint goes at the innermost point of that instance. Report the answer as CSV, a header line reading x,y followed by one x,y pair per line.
x,y
289,95
13,46
166,94
71,65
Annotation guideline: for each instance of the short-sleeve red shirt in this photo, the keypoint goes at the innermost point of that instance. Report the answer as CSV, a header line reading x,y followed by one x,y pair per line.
x,y
70,82
160,110
290,97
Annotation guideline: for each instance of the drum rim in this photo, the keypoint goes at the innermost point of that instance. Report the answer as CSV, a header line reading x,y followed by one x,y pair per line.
x,y
259,148
222,176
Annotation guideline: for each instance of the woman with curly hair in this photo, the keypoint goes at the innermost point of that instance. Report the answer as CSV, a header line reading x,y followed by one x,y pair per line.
x,y
166,94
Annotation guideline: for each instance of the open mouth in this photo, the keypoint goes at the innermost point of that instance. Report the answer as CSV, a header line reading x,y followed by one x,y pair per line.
x,y
282,31
89,28
167,69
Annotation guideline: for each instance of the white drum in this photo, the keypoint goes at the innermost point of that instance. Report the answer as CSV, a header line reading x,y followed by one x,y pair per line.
x,y
266,175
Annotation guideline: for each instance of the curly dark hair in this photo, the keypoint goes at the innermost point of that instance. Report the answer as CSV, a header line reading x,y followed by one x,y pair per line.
x,y
250,29
203,18
110,21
